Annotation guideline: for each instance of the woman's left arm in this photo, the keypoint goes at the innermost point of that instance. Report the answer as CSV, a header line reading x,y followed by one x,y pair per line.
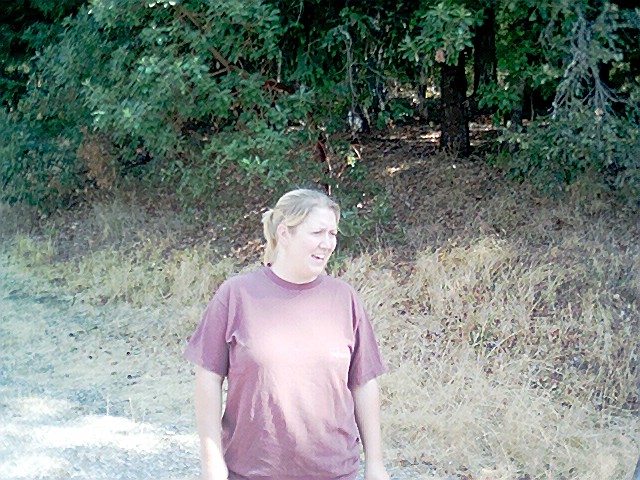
x,y
366,399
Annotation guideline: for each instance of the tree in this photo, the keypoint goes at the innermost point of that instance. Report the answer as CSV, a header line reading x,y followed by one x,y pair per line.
x,y
196,97
485,60
25,27
441,34
592,129
455,124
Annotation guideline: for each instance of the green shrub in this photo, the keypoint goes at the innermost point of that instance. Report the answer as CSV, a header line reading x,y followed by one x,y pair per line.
x,y
37,169
176,95
39,140
592,131
559,152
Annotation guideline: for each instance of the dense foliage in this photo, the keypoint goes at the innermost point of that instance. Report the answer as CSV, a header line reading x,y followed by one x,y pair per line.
x,y
230,96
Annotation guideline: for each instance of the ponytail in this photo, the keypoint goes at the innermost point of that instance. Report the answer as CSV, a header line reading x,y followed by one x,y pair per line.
x,y
271,236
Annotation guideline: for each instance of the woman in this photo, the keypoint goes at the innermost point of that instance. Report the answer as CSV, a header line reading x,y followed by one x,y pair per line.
x,y
300,358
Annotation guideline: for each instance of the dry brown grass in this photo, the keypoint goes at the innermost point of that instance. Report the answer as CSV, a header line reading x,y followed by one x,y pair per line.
x,y
510,321
480,381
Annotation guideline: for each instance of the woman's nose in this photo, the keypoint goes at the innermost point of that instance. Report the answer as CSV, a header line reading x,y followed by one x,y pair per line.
x,y
327,241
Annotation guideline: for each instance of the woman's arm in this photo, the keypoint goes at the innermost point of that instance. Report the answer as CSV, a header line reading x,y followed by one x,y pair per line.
x,y
208,403
367,406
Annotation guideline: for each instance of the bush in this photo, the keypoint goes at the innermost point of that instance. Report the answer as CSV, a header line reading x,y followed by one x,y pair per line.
x,y
557,153
175,95
592,131
40,139
37,169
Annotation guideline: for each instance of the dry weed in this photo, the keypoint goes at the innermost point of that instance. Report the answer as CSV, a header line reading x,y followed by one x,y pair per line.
x,y
144,277
33,252
456,415
494,370
115,221
16,220
99,155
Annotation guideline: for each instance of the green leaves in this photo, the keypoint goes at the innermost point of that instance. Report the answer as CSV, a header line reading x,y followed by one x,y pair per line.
x,y
37,169
194,97
580,143
501,98
592,131
439,32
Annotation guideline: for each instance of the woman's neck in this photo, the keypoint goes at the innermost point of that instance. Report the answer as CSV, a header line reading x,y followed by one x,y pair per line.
x,y
281,269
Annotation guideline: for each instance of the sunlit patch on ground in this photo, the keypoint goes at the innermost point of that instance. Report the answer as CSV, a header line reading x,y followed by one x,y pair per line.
x,y
38,408
43,438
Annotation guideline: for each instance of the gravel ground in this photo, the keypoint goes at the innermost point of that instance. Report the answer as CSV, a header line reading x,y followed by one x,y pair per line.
x,y
73,407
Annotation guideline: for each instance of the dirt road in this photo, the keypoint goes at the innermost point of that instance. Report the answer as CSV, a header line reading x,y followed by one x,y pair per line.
x,y
71,406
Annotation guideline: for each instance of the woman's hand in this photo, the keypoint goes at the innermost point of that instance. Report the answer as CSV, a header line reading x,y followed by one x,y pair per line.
x,y
375,471
214,473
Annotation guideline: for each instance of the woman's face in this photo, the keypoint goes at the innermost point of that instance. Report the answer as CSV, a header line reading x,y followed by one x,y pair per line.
x,y
306,248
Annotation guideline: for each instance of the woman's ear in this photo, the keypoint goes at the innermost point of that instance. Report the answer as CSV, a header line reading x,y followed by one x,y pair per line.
x,y
282,233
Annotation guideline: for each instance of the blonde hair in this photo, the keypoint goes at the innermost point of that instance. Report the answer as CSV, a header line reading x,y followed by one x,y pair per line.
x,y
292,209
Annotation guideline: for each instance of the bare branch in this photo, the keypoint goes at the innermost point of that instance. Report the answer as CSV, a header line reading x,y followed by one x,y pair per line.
x,y
581,83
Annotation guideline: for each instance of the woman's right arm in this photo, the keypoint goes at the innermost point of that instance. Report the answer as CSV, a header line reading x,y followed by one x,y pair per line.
x,y
208,404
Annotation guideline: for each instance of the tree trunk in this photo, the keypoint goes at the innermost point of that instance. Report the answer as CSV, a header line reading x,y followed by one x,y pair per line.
x,y
518,111
453,90
485,60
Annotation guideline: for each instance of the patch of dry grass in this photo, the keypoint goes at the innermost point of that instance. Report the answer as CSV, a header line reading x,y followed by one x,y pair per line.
x,y
462,418
511,325
141,276
485,377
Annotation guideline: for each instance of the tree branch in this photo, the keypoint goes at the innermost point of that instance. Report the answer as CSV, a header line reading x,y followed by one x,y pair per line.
x,y
183,12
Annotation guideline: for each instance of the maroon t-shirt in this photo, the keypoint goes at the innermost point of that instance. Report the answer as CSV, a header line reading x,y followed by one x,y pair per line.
x,y
291,353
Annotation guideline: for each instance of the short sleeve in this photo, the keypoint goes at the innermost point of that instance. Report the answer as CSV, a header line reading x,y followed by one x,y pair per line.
x,y
366,360
208,346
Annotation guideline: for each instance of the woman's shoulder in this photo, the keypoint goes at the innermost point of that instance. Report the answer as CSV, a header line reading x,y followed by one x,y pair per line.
x,y
241,281
341,285
247,277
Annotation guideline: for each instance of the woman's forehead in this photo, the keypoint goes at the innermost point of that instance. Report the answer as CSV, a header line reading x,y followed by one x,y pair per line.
x,y
321,217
